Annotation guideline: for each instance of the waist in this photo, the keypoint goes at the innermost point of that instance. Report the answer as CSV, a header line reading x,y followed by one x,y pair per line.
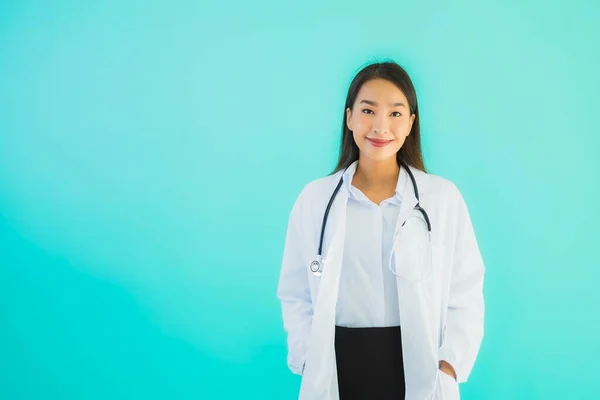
x,y
384,334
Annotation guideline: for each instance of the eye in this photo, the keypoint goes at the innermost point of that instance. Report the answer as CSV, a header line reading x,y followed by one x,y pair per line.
x,y
366,109
396,112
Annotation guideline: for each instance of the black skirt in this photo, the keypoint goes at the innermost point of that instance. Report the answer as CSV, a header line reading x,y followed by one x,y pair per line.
x,y
369,363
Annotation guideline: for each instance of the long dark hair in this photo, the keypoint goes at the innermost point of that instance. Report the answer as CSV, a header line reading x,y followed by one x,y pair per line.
x,y
410,152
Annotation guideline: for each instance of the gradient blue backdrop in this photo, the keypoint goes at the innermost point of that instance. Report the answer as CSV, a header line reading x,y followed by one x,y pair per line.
x,y
150,153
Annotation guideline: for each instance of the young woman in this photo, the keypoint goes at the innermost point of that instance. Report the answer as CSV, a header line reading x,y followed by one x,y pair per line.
x,y
381,283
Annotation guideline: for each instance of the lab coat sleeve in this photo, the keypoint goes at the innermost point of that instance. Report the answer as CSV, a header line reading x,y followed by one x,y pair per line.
x,y
294,292
464,327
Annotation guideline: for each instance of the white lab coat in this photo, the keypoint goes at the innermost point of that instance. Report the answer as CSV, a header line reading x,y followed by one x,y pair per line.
x,y
441,313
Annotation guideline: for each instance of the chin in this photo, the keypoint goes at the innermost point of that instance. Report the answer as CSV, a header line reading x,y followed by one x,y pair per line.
x,y
380,155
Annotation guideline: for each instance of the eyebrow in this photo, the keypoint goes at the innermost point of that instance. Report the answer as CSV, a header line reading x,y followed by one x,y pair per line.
x,y
374,103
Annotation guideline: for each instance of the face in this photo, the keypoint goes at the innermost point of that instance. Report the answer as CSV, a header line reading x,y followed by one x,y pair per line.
x,y
380,120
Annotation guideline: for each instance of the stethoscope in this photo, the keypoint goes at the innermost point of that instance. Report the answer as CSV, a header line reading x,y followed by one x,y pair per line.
x,y
316,267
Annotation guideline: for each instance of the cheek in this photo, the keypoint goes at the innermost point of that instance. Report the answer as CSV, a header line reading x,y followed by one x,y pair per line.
x,y
401,127
358,137
361,123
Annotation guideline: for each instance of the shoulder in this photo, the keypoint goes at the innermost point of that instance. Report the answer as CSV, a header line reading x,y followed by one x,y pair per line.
x,y
314,196
437,186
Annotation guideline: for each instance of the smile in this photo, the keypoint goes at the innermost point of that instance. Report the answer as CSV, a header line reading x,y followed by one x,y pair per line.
x,y
379,142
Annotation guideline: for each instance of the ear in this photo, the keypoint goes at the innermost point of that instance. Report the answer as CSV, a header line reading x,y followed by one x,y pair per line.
x,y
348,117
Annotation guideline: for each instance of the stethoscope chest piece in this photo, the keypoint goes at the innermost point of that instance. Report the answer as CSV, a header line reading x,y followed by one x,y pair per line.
x,y
316,268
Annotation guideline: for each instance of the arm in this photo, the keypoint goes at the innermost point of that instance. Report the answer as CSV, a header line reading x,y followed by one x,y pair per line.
x,y
464,327
294,293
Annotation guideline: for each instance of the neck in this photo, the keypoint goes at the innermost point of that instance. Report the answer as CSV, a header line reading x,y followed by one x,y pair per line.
x,y
377,174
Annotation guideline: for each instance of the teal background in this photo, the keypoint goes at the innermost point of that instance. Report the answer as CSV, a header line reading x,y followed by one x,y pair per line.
x,y
150,153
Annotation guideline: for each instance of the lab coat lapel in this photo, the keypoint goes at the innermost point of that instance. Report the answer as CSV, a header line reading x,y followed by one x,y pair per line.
x,y
418,353
408,200
320,375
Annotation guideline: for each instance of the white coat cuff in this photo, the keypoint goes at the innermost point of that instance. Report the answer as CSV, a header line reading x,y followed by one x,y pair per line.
x,y
298,370
443,356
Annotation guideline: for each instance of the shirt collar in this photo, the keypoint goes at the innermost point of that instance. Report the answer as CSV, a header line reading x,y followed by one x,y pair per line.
x,y
351,170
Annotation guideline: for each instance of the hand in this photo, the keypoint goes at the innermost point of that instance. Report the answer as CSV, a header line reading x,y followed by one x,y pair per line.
x,y
446,368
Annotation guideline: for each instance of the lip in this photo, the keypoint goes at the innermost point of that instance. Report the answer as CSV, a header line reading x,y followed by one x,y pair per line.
x,y
379,142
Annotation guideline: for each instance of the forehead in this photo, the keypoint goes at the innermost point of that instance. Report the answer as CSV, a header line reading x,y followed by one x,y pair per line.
x,y
380,90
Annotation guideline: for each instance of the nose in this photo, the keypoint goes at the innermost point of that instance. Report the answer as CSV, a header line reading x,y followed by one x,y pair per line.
x,y
380,125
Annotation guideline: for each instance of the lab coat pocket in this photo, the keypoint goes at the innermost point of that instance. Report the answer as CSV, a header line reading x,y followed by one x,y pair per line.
x,y
447,386
412,251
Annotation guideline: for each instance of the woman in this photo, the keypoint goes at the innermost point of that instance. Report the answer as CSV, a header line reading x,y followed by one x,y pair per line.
x,y
389,303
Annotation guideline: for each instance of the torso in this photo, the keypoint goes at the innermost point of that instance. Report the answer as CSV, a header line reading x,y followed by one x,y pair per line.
x,y
367,295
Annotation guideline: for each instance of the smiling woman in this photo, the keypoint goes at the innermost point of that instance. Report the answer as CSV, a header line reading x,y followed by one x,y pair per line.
x,y
392,307
379,123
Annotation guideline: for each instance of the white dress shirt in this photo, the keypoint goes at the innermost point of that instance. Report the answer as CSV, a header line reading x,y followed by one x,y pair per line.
x,y
367,294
